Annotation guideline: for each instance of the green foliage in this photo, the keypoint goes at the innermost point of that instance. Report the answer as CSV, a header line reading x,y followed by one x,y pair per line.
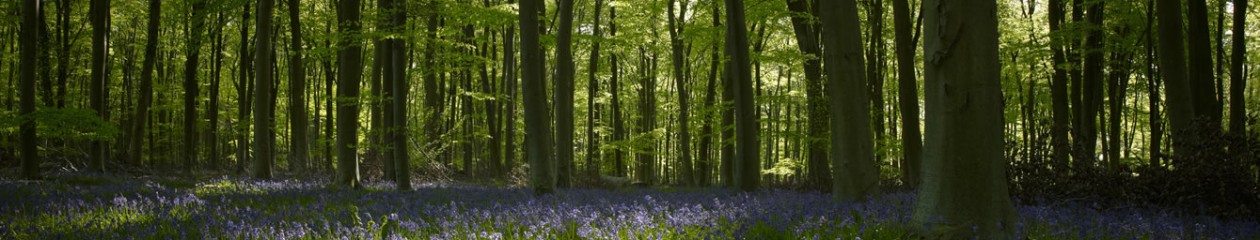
x,y
73,124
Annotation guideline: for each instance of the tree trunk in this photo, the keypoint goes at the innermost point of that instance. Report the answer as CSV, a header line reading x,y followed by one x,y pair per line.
x,y
1172,67
646,168
1091,96
964,177
1059,87
1152,90
875,73
244,88
191,67
146,82
619,132
747,169
1202,80
400,88
263,122
854,172
1117,84
592,93
1238,82
509,112
676,23
908,94
537,125
26,136
432,91
99,18
299,145
564,94
350,65
213,112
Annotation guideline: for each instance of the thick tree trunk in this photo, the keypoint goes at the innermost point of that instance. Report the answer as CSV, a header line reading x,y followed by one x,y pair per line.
x,y
350,65
964,183
747,168
542,167
263,121
908,94
26,136
1202,80
854,172
1172,67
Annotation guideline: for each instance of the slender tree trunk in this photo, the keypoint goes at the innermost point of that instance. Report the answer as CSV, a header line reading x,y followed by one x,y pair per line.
x,y
819,172
1059,87
747,169
63,38
244,90
1238,81
1152,90
213,112
728,114
614,86
964,170
676,23
875,73
537,125
706,132
564,94
298,120
350,65
1118,83
398,82
377,107
1091,96
509,112
646,168
908,94
26,136
592,93
191,67
146,82
854,174
99,17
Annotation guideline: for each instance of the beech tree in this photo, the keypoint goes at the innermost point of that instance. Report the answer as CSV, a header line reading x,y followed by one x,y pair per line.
x,y
964,171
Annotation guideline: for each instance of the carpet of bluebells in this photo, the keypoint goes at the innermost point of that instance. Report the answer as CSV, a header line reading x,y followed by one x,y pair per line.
x,y
110,208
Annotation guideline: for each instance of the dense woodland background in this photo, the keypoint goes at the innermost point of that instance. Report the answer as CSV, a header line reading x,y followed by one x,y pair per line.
x,y
1114,101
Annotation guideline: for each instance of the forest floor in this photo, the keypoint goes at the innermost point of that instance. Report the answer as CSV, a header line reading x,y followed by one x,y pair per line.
x,y
225,207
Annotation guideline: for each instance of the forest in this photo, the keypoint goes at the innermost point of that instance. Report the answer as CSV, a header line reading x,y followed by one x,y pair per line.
x,y
629,119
